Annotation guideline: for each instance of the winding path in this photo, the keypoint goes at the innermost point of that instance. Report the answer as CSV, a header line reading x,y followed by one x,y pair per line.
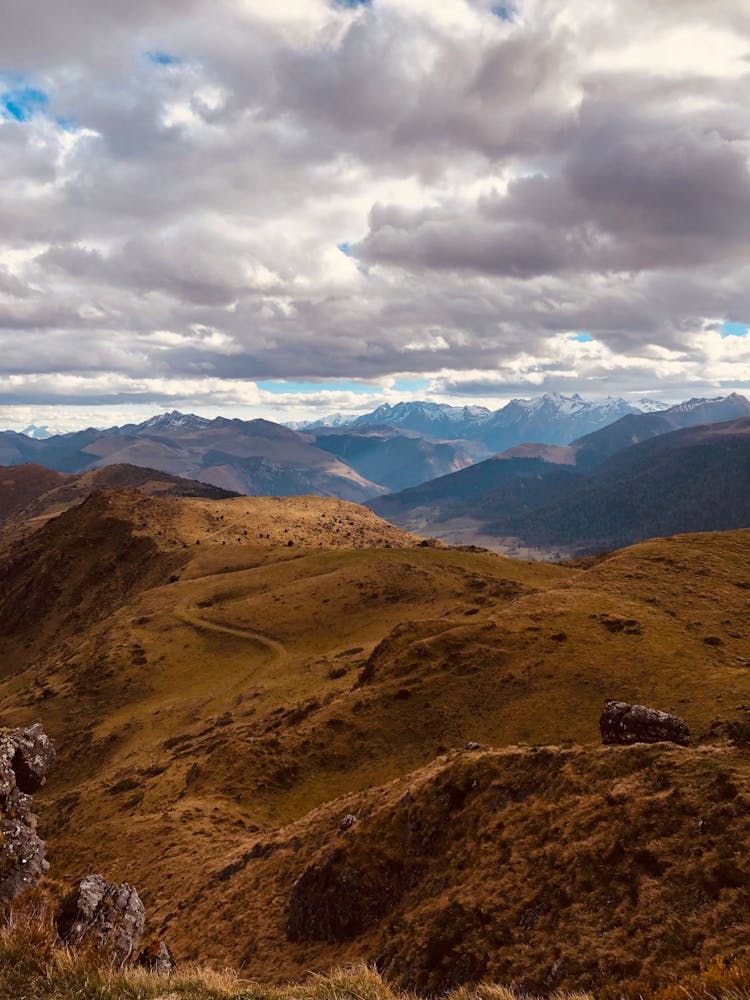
x,y
274,648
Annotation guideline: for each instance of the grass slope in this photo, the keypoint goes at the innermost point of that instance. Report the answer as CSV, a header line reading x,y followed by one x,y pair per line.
x,y
212,689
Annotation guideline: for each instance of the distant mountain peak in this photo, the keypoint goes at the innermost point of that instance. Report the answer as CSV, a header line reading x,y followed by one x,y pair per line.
x,y
174,421
36,432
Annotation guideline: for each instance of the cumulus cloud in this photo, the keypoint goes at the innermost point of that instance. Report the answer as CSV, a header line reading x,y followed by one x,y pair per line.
x,y
199,197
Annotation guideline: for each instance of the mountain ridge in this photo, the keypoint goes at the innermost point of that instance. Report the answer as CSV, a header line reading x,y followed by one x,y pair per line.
x,y
691,479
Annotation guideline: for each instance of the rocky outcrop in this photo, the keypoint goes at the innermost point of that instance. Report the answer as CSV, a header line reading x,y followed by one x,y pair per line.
x,y
110,916
623,724
26,756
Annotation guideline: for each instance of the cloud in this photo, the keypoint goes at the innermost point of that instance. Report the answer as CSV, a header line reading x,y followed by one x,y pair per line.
x,y
193,200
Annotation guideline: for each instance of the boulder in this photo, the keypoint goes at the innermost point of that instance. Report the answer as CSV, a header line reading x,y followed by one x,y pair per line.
x,y
623,724
110,916
26,756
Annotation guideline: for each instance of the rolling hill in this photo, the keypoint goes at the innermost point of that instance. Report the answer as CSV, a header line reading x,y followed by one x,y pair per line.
x,y
33,491
227,680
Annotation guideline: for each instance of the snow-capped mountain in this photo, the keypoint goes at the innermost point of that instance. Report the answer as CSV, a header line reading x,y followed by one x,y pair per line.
x,y
712,410
38,433
330,420
552,418
432,419
174,421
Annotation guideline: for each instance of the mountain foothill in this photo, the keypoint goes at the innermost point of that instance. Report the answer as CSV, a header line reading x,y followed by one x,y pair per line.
x,y
313,738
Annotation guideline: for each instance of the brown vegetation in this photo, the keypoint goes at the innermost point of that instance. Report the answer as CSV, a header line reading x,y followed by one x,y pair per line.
x,y
220,707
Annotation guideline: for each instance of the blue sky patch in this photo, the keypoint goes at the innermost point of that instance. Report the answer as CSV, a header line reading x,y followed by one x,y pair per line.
x,y
21,104
581,338
353,3
734,330
410,384
503,11
280,388
346,249
161,58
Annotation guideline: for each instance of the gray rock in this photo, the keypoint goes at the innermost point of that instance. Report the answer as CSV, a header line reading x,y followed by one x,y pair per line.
x,y
26,756
110,916
32,758
347,823
623,724
157,958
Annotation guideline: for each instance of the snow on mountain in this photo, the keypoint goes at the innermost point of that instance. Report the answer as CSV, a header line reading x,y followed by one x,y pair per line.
x,y
174,421
428,418
330,420
38,433
553,418
647,405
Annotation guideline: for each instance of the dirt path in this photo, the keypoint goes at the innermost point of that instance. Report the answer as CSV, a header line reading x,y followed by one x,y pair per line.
x,y
274,648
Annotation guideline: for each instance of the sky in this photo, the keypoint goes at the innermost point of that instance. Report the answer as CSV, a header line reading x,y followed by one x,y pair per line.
x,y
293,208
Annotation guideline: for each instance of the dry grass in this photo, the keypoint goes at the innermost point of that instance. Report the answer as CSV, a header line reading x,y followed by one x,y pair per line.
x,y
244,671
35,966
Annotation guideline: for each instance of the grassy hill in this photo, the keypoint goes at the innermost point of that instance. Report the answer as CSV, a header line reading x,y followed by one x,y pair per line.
x,y
226,680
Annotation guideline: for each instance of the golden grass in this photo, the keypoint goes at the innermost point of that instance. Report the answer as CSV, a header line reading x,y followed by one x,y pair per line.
x,y
246,672
35,965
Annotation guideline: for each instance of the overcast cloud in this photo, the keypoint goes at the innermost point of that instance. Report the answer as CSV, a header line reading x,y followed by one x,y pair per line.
x,y
383,200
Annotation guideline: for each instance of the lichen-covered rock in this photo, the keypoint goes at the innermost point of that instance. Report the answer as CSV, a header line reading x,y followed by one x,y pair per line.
x,y
157,958
623,724
26,756
110,916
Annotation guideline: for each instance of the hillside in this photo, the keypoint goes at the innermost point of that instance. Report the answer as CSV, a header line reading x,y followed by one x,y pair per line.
x,y
392,459
595,448
20,485
32,491
226,680
697,479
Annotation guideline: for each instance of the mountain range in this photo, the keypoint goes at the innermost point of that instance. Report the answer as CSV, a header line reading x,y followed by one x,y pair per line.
x,y
251,457
543,495
635,479
390,449
553,418
387,450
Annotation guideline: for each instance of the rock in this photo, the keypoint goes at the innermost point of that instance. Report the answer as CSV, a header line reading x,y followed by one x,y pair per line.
x,y
347,823
157,958
110,916
472,745
623,724
26,756
32,758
